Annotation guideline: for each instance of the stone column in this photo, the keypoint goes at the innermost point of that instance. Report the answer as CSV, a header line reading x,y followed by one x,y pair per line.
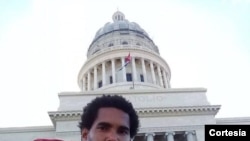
x,y
103,74
113,70
152,72
168,80
170,136
159,74
165,79
190,135
144,70
123,70
150,136
95,77
83,83
89,80
134,73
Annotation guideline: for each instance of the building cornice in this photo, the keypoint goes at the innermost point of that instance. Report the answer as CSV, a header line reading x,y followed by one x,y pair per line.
x,y
27,129
64,116
145,112
179,111
127,84
233,120
156,130
135,91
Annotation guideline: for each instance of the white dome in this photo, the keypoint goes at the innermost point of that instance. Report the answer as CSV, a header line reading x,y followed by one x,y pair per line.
x,y
106,67
120,24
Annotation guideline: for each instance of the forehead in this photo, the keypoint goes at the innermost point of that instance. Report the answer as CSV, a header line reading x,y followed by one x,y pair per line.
x,y
113,116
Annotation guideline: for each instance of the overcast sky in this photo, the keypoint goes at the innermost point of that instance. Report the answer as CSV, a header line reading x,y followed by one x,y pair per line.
x,y
43,45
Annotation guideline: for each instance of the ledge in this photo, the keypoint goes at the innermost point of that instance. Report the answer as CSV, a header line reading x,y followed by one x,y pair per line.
x,y
156,130
145,112
177,111
233,120
134,91
27,129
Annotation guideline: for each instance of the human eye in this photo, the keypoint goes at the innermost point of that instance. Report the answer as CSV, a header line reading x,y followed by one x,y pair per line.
x,y
123,132
102,128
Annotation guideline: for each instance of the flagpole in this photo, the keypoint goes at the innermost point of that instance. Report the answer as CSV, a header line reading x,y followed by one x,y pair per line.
x,y
132,76
127,62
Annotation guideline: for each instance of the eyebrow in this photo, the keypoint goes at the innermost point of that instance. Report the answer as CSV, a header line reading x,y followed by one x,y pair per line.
x,y
109,125
104,124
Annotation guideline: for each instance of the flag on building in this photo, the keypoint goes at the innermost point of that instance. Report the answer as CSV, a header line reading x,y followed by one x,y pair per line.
x,y
127,61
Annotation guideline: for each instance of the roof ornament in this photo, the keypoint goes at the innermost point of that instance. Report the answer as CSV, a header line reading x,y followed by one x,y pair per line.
x,y
118,16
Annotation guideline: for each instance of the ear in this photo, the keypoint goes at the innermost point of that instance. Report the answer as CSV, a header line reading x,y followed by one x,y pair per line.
x,y
85,133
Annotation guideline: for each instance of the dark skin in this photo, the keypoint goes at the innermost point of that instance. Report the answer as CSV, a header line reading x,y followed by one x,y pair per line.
x,y
111,124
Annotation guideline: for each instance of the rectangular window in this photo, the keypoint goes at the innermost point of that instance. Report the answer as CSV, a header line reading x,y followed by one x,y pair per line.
x,y
100,84
110,79
129,77
142,78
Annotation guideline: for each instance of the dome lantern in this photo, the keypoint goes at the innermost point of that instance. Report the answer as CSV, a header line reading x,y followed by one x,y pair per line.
x,y
118,16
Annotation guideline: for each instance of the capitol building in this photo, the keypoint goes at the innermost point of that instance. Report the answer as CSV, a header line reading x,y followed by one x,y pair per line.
x,y
123,60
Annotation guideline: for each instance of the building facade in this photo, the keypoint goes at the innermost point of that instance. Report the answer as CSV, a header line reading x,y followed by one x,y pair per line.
x,y
123,60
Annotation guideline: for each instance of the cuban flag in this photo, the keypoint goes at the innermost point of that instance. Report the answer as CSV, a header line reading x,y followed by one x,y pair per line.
x,y
127,61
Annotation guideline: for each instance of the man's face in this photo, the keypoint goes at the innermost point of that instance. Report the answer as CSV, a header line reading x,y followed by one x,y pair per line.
x,y
111,124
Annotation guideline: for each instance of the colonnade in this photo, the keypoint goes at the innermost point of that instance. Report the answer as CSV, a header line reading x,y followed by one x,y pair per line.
x,y
153,73
169,136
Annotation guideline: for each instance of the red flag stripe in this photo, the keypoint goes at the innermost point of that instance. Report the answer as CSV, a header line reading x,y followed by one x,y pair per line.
x,y
128,58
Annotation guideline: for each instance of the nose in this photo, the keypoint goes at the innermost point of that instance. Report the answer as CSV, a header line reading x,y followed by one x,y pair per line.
x,y
112,136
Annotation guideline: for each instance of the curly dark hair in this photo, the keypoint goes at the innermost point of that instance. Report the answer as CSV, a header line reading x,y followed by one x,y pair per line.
x,y
91,110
